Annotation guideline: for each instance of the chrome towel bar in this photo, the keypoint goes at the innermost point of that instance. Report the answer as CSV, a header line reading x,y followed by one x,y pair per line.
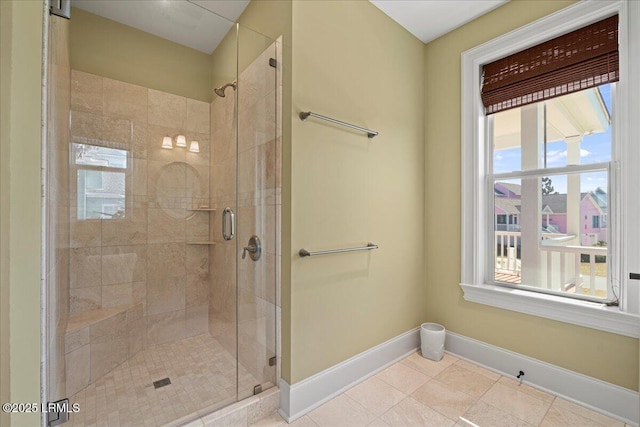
x,y
370,133
370,246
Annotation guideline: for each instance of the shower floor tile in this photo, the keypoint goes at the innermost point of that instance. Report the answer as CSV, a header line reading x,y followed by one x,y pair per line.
x,y
202,375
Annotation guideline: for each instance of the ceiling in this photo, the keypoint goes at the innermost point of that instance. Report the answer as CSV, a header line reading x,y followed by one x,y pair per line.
x,y
429,19
202,24
198,24
568,117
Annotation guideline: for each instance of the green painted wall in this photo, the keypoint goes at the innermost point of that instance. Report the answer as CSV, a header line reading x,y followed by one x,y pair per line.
x,y
110,49
5,116
351,62
602,355
20,81
224,60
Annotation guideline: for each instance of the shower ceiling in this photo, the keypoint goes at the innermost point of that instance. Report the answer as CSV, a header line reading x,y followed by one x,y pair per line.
x,y
180,21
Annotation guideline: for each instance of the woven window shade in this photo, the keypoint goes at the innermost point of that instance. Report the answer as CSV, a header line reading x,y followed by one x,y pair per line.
x,y
579,60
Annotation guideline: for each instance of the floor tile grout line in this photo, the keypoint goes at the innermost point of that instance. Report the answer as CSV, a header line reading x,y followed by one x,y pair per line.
x,y
415,370
547,411
346,396
435,409
527,395
487,390
482,368
388,410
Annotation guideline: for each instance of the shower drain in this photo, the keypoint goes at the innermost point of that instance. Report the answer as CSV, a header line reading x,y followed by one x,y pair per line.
x,y
161,383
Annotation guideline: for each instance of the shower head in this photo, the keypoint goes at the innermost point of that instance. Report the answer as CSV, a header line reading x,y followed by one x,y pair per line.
x,y
220,90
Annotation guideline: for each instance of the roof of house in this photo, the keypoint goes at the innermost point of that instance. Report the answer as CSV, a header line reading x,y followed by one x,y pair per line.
x,y
514,188
600,197
551,203
556,202
510,206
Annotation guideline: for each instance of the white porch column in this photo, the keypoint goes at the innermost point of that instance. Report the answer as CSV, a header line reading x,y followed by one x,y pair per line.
x,y
532,140
573,190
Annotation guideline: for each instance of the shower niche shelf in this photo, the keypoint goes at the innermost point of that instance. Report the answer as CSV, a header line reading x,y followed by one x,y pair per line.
x,y
202,210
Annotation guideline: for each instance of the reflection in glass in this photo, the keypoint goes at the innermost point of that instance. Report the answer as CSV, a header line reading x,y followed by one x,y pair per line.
x,y
93,155
101,181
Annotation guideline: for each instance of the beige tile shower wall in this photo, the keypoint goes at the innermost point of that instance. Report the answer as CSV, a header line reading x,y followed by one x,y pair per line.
x,y
57,239
144,257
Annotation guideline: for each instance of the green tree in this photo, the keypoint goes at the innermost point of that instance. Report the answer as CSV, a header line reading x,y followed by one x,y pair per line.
x,y
547,186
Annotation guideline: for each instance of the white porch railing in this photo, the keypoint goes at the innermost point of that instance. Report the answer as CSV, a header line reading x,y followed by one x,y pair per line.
x,y
507,244
507,227
560,265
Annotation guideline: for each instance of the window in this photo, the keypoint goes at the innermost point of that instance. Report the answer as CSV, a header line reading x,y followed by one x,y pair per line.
x,y
101,181
554,156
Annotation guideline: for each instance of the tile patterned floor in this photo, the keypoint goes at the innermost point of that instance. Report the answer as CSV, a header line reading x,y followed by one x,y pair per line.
x,y
202,374
452,392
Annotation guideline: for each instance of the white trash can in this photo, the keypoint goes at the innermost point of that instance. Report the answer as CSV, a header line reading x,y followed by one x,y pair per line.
x,y
432,338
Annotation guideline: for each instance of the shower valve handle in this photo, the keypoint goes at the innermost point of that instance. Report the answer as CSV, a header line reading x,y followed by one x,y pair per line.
x,y
254,249
250,249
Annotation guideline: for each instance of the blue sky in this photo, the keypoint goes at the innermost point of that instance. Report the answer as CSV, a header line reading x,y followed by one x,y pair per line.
x,y
595,148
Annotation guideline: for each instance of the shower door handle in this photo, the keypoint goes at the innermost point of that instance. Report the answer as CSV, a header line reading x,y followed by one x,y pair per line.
x,y
227,212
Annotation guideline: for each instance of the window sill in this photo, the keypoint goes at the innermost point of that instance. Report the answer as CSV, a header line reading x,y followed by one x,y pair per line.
x,y
581,313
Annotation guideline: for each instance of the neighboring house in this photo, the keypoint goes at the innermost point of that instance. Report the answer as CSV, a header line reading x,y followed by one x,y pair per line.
x,y
554,212
507,190
507,214
101,181
593,220
593,213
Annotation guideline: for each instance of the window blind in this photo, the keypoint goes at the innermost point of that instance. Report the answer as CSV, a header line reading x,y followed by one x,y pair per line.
x,y
581,59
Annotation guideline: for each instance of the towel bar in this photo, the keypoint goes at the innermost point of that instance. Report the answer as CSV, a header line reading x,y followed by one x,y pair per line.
x,y
370,133
370,246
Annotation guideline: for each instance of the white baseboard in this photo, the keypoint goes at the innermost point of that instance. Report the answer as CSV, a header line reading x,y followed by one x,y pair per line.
x,y
300,398
609,399
617,402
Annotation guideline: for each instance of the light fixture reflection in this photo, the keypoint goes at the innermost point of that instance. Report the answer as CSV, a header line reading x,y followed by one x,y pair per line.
x,y
181,141
167,142
194,147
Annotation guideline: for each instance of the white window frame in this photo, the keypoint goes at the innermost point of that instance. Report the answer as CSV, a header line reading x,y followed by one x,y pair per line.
x,y
475,265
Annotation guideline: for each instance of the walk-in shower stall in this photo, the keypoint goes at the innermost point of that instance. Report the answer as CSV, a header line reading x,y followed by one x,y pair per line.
x,y
162,211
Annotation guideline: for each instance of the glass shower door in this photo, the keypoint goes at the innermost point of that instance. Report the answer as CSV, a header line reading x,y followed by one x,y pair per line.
x,y
223,220
258,198
57,225
153,309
